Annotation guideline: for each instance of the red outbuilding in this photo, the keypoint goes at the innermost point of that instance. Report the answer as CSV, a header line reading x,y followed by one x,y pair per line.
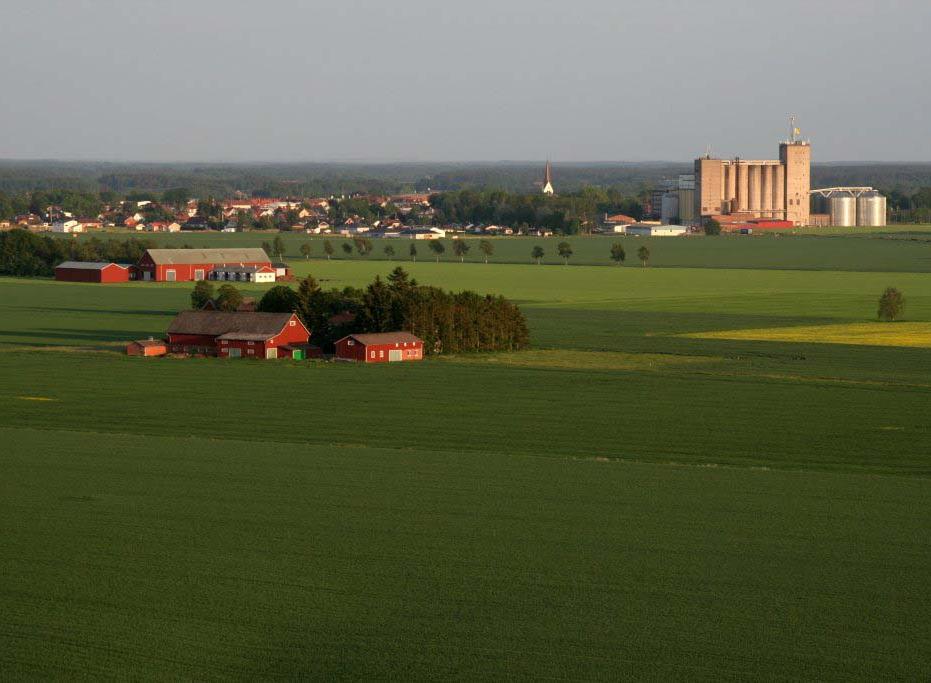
x,y
239,334
92,271
147,347
381,347
186,265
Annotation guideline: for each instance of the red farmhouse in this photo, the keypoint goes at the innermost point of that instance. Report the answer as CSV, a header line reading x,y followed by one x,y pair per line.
x,y
238,334
88,271
382,347
184,265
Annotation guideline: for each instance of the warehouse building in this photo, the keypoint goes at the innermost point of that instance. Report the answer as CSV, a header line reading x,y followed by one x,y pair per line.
x,y
382,347
92,271
239,334
185,265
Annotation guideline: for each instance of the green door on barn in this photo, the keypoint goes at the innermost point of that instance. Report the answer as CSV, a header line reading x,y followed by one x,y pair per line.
x,y
297,354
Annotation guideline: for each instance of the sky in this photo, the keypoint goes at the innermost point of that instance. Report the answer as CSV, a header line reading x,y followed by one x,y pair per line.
x,y
471,80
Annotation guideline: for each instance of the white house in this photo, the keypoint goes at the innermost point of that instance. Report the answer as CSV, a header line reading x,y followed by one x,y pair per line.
x,y
641,230
69,225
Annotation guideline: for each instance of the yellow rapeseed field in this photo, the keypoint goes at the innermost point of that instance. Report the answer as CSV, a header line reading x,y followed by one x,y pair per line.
x,y
911,334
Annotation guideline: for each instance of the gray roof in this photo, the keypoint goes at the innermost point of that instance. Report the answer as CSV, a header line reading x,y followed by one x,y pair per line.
x,y
238,269
89,265
384,338
189,256
239,324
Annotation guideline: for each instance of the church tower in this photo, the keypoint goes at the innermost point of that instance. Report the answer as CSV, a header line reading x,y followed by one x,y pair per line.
x,y
548,179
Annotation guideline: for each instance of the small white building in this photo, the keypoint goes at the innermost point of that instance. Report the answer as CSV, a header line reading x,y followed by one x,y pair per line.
x,y
644,230
69,225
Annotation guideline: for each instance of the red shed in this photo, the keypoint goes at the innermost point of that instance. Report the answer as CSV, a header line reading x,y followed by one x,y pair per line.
x,y
147,347
237,334
185,265
381,347
92,271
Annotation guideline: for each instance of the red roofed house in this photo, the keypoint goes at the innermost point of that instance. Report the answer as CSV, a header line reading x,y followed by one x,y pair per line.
x,y
186,265
381,347
239,334
92,271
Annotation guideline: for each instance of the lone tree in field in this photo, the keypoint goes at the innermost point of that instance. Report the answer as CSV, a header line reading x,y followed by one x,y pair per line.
x,y
643,253
363,245
389,252
347,248
537,254
228,298
712,227
203,292
413,251
328,249
278,246
564,249
891,304
617,253
267,248
437,248
487,249
306,249
461,248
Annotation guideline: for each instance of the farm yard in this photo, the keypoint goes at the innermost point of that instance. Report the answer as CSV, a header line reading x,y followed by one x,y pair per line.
x,y
698,471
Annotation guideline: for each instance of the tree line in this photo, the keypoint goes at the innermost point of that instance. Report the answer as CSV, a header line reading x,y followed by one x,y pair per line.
x,y
26,254
448,322
567,214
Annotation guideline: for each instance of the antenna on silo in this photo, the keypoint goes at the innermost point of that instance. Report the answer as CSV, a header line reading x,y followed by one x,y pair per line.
x,y
793,129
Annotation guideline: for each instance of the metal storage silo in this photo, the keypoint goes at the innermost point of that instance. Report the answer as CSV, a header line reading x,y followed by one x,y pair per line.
x,y
843,209
669,212
871,209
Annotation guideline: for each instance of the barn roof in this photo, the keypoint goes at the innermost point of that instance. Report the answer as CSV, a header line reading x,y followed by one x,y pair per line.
x,y
194,256
384,338
223,323
89,265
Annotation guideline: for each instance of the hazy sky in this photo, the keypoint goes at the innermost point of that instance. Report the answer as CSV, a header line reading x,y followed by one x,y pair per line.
x,y
574,80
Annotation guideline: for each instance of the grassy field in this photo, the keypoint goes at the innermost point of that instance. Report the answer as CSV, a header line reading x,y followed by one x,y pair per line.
x,y
892,250
696,473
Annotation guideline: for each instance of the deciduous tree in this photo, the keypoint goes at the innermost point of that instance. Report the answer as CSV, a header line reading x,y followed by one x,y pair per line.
x,y
537,254
891,304
643,253
487,249
203,292
564,249
617,253
228,298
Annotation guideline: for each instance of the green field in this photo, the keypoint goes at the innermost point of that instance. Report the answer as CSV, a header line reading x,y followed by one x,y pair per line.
x,y
645,494
893,249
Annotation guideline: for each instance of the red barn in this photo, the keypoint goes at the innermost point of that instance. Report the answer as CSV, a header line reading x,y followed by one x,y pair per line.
x,y
92,271
382,347
238,334
186,265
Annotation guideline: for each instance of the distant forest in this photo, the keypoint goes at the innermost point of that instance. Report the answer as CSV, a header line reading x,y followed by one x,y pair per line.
x,y
325,179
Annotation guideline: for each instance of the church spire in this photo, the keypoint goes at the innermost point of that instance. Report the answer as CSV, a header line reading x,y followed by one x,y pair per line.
x,y
548,179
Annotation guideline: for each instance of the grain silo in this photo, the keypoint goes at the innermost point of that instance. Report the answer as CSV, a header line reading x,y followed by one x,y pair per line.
x,y
871,209
843,209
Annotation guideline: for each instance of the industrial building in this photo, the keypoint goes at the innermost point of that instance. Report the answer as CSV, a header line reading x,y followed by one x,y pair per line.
x,y
675,204
742,189
848,207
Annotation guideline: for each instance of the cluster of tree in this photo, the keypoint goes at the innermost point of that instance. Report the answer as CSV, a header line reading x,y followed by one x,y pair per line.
x,y
26,254
572,213
448,322
909,208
